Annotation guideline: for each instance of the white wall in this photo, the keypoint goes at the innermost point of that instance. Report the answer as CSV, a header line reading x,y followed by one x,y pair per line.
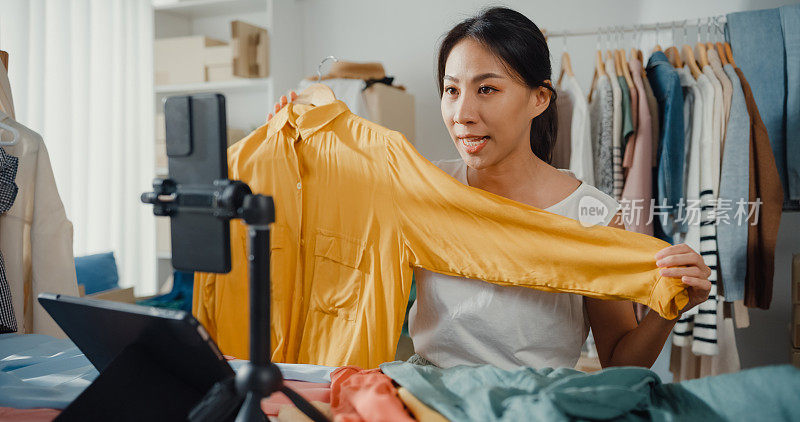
x,y
404,36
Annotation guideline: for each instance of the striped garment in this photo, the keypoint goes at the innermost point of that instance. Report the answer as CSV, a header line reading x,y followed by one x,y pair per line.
x,y
616,152
699,329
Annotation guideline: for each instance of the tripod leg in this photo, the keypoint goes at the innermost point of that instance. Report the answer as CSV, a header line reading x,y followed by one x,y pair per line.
x,y
251,409
304,406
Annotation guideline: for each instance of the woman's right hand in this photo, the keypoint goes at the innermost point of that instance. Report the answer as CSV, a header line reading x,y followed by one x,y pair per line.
x,y
281,103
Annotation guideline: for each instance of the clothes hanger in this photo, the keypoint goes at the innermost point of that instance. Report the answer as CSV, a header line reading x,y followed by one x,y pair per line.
x,y
688,54
618,60
635,52
701,49
709,43
626,69
566,63
657,47
9,128
672,52
599,66
317,94
729,54
719,45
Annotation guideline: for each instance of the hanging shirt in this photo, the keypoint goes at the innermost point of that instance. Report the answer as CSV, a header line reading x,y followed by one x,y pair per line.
x,y
732,231
601,111
8,193
667,89
562,150
638,190
727,91
36,236
693,132
580,162
696,92
716,138
627,113
616,158
357,207
765,186
459,321
698,327
652,105
764,45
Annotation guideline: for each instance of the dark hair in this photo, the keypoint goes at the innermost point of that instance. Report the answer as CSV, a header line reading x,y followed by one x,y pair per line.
x,y
519,43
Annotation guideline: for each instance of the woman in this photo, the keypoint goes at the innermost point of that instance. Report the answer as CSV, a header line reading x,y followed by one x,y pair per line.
x,y
499,108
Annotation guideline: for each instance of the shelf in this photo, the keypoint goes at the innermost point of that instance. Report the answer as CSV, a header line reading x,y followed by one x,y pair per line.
x,y
233,85
204,8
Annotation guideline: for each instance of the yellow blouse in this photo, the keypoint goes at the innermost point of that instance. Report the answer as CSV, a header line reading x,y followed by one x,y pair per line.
x,y
357,207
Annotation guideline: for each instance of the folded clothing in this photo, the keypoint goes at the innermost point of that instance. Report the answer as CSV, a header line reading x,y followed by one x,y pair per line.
x,y
311,391
365,395
486,393
8,414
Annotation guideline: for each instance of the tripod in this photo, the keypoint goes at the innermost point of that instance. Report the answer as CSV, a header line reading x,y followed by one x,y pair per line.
x,y
227,200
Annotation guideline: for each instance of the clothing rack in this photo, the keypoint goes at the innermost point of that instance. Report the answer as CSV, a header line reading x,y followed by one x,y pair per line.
x,y
717,21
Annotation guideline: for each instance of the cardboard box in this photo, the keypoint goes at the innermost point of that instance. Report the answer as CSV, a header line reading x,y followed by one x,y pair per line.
x,y
163,237
392,108
115,295
235,135
223,72
218,55
181,60
250,50
161,156
161,128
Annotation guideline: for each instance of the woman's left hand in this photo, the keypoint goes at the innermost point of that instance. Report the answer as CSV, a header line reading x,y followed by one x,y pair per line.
x,y
681,261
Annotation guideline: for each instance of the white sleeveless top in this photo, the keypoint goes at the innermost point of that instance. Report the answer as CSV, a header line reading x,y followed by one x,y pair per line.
x,y
461,321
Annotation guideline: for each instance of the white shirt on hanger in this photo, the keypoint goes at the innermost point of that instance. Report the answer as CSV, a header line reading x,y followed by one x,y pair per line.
x,y
36,236
581,161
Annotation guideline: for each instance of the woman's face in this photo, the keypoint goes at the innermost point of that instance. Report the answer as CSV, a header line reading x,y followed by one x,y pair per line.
x,y
487,111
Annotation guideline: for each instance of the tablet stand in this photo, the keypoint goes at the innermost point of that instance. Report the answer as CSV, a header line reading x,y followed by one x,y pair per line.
x,y
260,377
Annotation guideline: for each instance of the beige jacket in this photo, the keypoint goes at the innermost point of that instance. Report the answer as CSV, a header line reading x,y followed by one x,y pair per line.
x,y
35,236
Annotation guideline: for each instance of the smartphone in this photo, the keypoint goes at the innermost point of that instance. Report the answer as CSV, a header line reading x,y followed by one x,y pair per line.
x,y
197,157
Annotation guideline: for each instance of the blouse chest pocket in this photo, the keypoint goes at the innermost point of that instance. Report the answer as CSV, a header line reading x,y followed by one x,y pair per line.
x,y
281,272
338,281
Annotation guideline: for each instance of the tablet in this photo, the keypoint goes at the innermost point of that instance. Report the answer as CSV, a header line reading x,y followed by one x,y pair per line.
x,y
102,330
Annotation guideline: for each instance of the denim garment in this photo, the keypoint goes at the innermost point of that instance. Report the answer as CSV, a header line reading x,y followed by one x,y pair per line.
x,y
756,39
790,20
668,92
734,187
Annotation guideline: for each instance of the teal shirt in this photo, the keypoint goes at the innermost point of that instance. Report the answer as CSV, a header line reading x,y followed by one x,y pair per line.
x,y
627,112
486,393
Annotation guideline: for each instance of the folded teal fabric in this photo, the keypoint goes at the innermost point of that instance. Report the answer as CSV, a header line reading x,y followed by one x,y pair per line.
x,y
486,393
